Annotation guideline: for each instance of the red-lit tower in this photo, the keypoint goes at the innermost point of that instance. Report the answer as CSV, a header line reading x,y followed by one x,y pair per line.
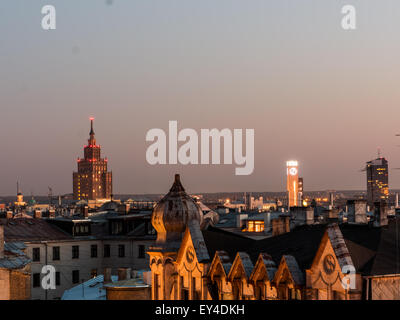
x,y
92,181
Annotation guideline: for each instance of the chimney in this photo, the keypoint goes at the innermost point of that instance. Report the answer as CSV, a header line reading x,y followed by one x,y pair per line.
x,y
380,213
9,214
85,211
357,211
280,225
123,208
37,214
333,213
1,241
287,224
52,213
239,220
107,275
124,274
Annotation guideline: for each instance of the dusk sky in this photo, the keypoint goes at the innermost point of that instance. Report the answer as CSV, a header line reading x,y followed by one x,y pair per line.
x,y
311,90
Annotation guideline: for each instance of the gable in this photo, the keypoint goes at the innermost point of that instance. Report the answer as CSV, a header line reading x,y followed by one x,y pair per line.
x,y
289,270
192,250
241,265
332,257
221,262
264,269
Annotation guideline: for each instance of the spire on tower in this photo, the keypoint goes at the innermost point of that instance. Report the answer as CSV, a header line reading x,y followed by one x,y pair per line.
x,y
91,126
92,140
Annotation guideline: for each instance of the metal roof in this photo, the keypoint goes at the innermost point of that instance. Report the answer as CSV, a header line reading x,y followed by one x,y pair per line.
x,y
28,229
16,257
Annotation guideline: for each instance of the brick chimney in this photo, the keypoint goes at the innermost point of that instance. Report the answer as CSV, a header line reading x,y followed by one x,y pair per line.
x,y
1,241
107,275
333,213
124,274
287,224
280,225
37,214
357,211
380,213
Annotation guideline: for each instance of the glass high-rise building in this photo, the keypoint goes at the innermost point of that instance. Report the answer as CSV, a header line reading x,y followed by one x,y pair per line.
x,y
377,181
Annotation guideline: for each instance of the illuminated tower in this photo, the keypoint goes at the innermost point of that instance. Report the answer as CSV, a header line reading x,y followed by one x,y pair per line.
x,y
20,198
300,198
377,181
92,181
292,182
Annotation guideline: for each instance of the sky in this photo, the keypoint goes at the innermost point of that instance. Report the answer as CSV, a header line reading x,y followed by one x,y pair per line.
x,y
311,90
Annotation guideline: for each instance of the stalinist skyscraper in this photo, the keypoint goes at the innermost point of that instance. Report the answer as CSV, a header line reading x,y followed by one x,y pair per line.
x,y
92,181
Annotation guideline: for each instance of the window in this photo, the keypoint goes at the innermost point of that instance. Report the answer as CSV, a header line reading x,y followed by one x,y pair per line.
x,y
75,252
36,254
58,279
156,286
75,276
184,291
36,280
121,250
142,251
56,253
107,251
93,251
255,226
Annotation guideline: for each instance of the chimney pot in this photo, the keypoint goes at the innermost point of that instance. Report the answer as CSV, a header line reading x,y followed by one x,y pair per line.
x,y
107,275
124,274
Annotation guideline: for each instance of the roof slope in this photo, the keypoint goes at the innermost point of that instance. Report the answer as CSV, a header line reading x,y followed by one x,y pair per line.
x,y
217,239
373,251
24,229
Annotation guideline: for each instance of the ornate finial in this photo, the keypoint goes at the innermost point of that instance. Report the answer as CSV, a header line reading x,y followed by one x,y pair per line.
x,y
91,126
177,186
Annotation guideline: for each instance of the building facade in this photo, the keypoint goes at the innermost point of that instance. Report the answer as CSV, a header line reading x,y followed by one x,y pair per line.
x,y
346,261
92,181
15,273
80,248
377,181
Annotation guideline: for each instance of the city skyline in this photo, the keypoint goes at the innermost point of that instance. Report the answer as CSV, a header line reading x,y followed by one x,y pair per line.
x,y
311,91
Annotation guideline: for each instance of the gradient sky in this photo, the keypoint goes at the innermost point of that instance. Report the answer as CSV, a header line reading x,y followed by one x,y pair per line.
x,y
312,91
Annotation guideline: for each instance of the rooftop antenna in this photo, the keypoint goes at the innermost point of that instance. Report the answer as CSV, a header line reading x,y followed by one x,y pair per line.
x,y
379,152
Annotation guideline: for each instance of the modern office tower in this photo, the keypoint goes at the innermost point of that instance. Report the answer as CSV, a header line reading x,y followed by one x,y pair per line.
x,y
92,181
377,181
292,172
300,193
